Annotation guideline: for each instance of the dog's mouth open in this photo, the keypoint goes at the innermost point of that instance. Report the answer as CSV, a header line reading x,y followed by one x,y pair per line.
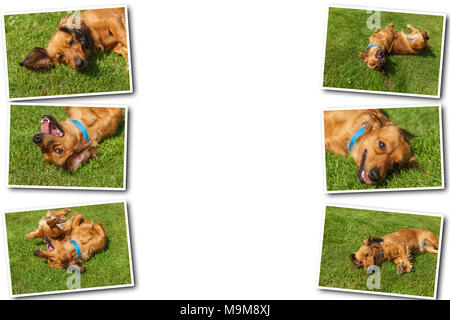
x,y
48,243
362,176
379,55
50,126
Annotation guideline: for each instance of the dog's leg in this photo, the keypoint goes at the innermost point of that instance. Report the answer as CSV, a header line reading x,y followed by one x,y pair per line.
x,y
34,234
122,50
404,258
413,30
431,244
400,267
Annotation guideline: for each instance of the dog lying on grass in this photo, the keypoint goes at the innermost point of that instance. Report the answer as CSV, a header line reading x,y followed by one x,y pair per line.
x,y
397,247
378,145
70,143
388,41
79,241
77,37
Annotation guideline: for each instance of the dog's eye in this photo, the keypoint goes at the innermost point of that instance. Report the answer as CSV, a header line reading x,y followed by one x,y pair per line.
x,y
396,165
71,42
367,255
381,145
50,260
58,150
61,56
372,64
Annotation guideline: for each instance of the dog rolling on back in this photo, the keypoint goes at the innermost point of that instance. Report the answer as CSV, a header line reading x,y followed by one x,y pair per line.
x,y
83,239
70,143
395,247
78,36
388,41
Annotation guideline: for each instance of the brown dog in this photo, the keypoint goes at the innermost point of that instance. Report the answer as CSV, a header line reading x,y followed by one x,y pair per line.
x,y
395,247
378,145
83,239
77,37
71,142
388,41
51,225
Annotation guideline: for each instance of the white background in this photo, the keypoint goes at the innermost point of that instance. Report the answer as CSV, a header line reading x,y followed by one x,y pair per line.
x,y
225,166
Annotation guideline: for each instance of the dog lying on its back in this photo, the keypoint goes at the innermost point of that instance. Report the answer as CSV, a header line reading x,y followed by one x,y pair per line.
x,y
388,41
77,240
77,37
378,145
74,141
395,247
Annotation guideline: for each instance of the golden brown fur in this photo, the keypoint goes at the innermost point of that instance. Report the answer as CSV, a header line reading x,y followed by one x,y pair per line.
x,y
388,41
62,142
77,37
383,148
90,237
51,225
395,247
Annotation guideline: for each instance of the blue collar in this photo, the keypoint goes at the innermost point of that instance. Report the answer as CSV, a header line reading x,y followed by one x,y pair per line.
x,y
77,249
82,128
372,45
356,136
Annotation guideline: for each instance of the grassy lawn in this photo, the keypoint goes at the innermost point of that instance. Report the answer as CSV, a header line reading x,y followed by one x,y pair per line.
x,y
344,232
28,168
108,71
30,274
347,35
421,121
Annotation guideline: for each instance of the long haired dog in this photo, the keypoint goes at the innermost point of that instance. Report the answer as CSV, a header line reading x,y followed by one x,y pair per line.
x,y
74,141
83,239
78,36
378,145
51,225
388,41
395,247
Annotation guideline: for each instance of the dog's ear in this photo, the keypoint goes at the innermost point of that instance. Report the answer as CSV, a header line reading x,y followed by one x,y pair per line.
x,y
407,135
413,163
38,59
74,161
354,261
372,241
79,267
363,55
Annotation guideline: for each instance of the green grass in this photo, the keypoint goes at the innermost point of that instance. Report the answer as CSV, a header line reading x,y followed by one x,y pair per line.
x,y
344,232
108,71
28,168
30,274
347,35
421,121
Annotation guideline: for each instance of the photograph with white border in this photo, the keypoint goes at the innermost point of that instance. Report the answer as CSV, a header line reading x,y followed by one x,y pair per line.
x,y
389,148
70,248
71,54
54,146
367,50
380,251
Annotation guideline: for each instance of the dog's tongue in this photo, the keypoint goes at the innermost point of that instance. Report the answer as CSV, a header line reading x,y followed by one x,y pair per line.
x,y
45,126
49,247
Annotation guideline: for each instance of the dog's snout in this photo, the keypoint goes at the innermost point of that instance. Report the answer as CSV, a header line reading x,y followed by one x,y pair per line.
x,y
36,252
37,138
79,63
374,174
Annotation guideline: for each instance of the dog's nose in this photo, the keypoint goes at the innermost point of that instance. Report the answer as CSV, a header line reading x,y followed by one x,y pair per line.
x,y
36,252
79,63
37,138
374,174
